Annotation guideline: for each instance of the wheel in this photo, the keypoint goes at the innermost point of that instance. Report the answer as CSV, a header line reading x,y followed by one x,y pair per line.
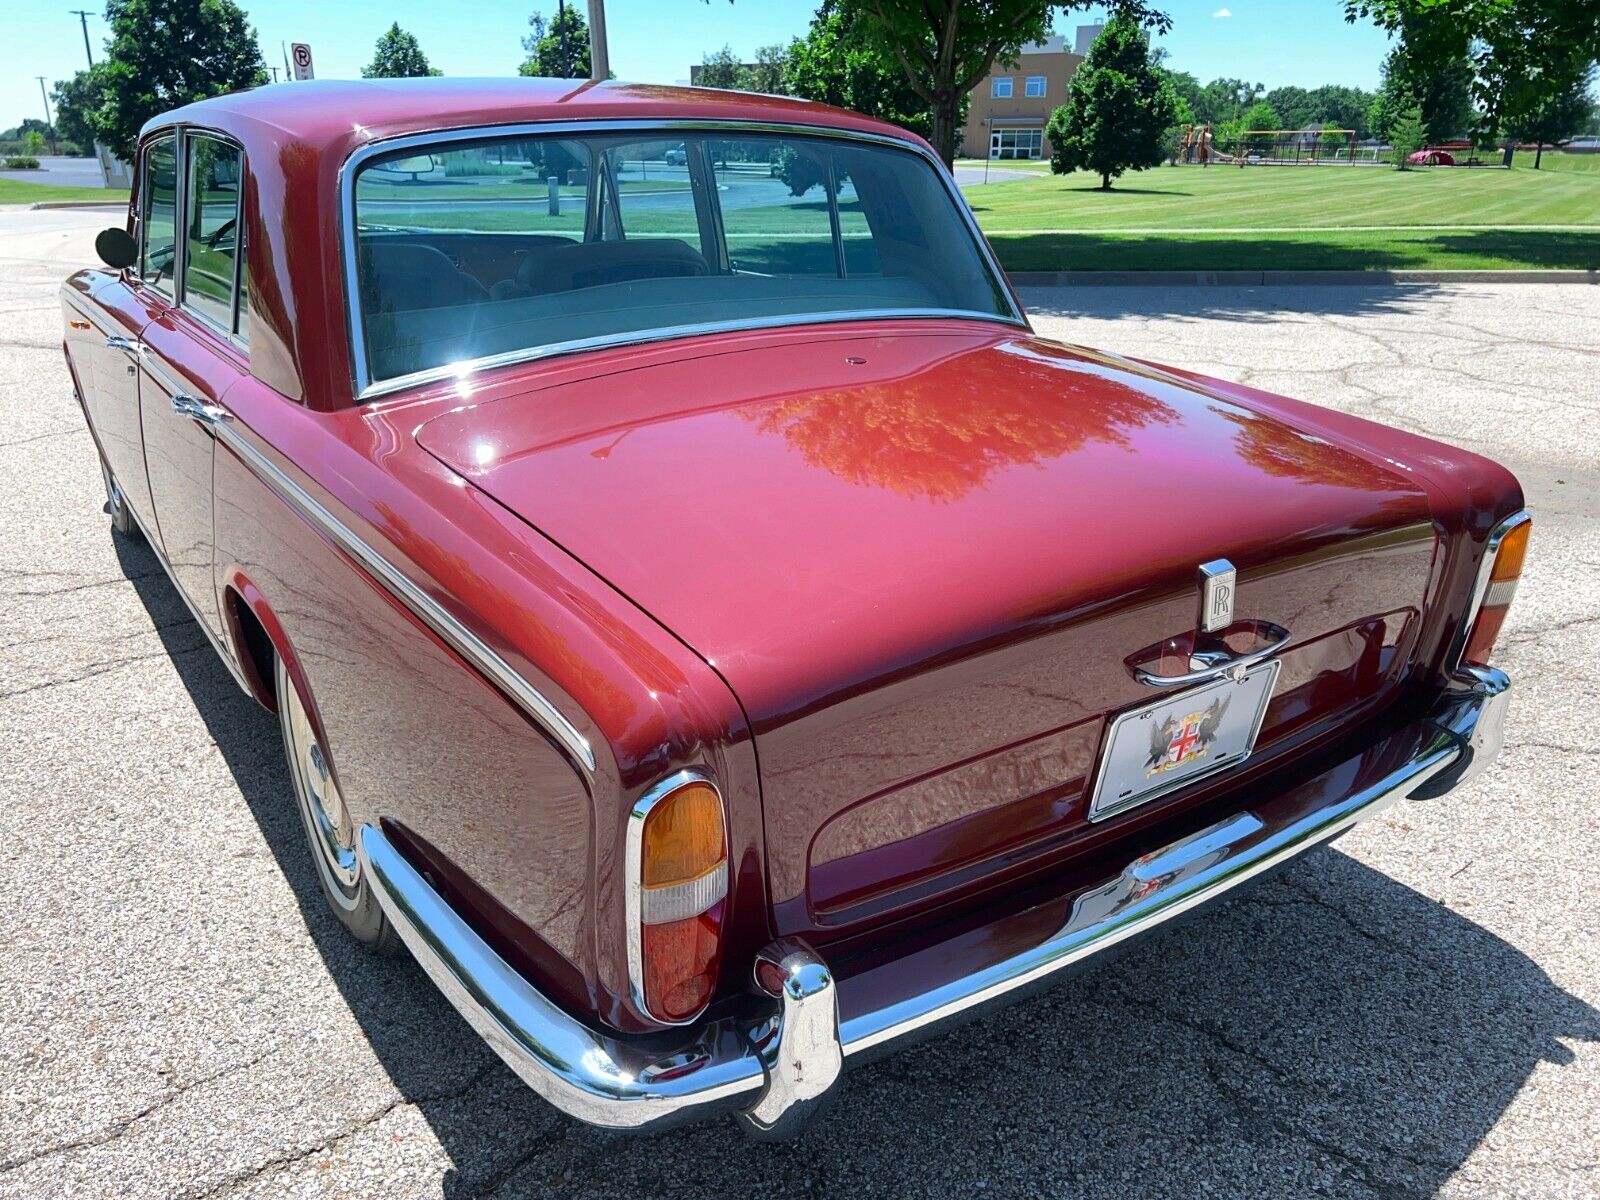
x,y
117,504
329,829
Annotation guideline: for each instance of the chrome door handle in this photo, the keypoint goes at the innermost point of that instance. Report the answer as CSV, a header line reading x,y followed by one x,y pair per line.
x,y
208,414
127,345
1219,662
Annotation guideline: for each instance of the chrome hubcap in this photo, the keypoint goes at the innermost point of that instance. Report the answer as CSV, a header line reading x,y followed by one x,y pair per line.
x,y
321,805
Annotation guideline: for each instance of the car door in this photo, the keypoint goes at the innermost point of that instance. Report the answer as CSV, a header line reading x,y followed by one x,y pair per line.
x,y
108,353
193,353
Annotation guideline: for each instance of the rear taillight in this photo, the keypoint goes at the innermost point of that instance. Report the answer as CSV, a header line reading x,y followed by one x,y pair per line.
x,y
1497,584
677,895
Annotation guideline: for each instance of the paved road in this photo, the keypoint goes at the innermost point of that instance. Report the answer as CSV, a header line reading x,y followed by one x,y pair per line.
x,y
62,172
1408,1014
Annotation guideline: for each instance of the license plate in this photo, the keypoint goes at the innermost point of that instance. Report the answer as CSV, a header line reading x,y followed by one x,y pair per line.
x,y
1172,742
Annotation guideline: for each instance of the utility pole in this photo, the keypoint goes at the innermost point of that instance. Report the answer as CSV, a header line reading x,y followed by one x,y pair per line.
x,y
45,96
561,25
83,19
599,57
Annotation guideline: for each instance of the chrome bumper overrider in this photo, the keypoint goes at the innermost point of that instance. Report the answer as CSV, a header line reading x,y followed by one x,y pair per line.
x,y
774,1070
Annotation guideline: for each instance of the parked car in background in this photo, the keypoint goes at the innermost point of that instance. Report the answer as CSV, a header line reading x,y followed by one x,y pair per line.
x,y
677,156
708,626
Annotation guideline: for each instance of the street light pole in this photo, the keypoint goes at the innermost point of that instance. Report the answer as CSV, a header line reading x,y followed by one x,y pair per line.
x,y
599,56
83,19
45,96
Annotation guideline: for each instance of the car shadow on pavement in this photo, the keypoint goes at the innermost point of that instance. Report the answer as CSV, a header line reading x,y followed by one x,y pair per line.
x,y
1330,1031
1248,305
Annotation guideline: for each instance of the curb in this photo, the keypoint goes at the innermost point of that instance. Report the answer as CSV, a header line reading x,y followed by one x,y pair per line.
x,y
117,205
1287,278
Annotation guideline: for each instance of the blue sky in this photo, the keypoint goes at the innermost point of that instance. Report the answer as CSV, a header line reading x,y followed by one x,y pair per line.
x,y
1274,42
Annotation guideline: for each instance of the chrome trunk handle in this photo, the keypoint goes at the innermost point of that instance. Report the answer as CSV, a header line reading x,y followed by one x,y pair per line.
x,y
191,406
1218,662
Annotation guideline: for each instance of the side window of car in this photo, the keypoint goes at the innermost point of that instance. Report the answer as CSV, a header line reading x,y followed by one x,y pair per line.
x,y
211,228
158,217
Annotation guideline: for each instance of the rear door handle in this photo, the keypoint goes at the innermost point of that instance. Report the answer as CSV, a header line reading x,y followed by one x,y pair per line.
x,y
206,414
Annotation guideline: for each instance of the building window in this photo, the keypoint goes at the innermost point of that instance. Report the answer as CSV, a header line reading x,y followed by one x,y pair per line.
x,y
1016,143
1034,86
1000,87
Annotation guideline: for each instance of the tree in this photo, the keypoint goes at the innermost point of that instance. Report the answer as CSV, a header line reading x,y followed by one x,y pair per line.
x,y
1293,106
1556,117
1118,109
1407,135
721,70
947,47
1521,52
77,100
838,63
558,48
397,56
165,53
1260,117
1224,100
770,71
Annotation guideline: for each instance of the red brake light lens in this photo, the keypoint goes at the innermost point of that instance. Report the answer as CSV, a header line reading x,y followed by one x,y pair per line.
x,y
678,893
1506,569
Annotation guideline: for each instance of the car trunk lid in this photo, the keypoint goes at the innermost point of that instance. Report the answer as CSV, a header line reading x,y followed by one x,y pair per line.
x,y
921,561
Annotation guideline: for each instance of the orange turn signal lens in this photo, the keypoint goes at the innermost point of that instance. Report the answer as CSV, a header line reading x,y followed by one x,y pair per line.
x,y
1504,572
683,836
678,900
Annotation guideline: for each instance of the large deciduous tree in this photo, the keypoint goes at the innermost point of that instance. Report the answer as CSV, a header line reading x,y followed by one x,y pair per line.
x,y
77,102
1118,109
1523,53
838,63
397,56
1555,117
947,47
557,48
164,53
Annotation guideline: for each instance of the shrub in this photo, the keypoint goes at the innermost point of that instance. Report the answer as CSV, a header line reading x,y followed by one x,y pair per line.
x,y
1407,135
22,162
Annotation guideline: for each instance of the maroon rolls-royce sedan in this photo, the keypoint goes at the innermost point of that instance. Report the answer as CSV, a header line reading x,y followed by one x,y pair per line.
x,y
709,628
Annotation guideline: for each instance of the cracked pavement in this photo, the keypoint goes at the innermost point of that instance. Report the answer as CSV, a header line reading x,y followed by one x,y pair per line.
x,y
1410,1013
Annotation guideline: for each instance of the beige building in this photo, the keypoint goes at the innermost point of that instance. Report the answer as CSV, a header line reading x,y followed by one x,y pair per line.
x,y
1009,109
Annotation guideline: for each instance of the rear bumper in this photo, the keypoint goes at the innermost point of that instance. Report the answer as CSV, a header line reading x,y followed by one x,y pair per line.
x,y
774,1068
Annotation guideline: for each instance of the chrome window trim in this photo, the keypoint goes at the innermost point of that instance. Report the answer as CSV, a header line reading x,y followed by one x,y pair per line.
x,y
428,610
188,133
633,885
141,219
362,384
1480,585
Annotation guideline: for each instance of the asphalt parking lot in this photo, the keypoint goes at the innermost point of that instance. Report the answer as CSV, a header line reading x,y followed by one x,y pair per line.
x,y
1415,1012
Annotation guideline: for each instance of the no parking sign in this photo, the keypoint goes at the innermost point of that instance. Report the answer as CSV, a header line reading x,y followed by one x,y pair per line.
x,y
300,52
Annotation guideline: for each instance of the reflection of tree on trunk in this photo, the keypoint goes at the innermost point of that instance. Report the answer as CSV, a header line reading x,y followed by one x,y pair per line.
x,y
940,439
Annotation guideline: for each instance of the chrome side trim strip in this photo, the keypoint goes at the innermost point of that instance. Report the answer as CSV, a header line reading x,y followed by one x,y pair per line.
x,y
427,609
1480,587
361,379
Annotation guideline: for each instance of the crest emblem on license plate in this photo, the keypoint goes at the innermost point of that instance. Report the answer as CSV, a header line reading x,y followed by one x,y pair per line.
x,y
1178,741
1216,595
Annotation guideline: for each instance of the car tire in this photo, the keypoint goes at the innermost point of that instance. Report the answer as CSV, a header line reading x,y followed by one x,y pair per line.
x,y
117,504
329,829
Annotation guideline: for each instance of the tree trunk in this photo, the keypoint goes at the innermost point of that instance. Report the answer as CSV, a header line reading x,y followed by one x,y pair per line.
x,y
946,107
1105,181
1538,155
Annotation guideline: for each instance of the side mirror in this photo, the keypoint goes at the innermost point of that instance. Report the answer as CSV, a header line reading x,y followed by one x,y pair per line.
x,y
116,248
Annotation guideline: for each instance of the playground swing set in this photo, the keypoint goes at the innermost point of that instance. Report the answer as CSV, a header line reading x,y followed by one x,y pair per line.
x,y
1269,147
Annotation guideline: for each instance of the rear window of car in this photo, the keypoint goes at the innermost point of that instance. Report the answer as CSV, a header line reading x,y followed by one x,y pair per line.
x,y
476,250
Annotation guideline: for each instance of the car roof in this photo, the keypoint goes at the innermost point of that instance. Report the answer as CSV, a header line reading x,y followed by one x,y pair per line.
x,y
324,113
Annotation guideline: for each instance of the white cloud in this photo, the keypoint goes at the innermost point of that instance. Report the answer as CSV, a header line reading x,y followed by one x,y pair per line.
x,y
1221,14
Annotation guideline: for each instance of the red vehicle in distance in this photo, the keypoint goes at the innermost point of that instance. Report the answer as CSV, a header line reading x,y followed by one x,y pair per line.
x,y
709,627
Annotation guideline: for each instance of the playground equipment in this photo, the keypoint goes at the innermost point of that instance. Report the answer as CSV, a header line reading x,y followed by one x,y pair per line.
x,y
1270,147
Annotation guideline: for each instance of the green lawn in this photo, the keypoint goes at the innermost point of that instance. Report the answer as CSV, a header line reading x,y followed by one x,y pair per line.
x,y
22,191
1295,218
1561,162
